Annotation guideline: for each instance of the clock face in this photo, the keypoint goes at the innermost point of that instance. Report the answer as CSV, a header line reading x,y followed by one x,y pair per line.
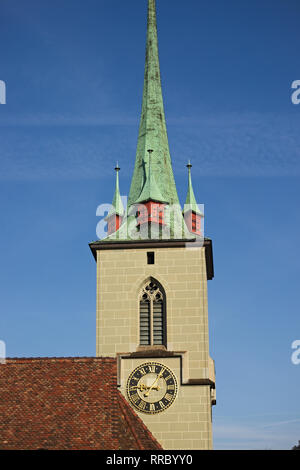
x,y
151,387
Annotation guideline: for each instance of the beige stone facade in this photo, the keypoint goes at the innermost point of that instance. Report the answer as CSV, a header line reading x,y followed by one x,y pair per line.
x,y
187,423
121,274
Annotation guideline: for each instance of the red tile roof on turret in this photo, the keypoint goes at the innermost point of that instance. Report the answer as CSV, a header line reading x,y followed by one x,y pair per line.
x,y
67,403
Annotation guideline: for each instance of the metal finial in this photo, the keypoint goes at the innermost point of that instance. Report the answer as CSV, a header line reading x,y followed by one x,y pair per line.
x,y
189,165
117,168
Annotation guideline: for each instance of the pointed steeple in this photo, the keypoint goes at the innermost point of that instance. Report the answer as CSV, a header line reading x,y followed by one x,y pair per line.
x,y
191,211
117,205
152,131
153,210
115,216
191,203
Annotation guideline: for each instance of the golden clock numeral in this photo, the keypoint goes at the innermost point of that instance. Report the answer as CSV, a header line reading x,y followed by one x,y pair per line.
x,y
142,405
168,396
167,378
152,369
142,371
135,397
161,404
171,387
131,389
152,407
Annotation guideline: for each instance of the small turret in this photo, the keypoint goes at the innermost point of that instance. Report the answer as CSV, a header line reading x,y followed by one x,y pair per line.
x,y
115,216
191,212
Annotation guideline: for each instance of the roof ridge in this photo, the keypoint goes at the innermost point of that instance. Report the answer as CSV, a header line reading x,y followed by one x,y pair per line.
x,y
124,408
60,358
127,410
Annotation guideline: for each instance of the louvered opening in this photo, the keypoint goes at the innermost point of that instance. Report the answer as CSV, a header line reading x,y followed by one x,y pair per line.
x,y
152,315
144,322
158,331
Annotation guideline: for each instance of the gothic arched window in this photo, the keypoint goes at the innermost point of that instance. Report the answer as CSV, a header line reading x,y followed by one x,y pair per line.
x,y
152,314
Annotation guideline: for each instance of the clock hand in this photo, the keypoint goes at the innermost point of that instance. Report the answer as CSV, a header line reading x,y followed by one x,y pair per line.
x,y
142,387
154,383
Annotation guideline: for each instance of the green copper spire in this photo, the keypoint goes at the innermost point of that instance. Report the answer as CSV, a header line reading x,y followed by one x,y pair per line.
x,y
117,205
153,132
153,177
191,203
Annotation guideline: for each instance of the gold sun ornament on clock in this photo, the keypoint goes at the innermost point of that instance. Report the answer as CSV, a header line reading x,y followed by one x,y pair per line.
x,y
151,387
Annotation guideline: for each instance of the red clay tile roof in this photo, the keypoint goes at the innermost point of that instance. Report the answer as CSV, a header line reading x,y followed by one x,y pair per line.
x,y
67,403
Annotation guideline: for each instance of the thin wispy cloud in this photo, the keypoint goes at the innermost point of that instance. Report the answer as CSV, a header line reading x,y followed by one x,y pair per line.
x,y
65,120
252,434
249,144
281,423
44,146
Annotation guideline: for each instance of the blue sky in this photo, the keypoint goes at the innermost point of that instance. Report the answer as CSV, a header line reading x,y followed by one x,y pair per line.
x,y
74,76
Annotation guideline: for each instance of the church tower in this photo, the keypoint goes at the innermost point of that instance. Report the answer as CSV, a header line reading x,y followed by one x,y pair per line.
x,y
152,273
